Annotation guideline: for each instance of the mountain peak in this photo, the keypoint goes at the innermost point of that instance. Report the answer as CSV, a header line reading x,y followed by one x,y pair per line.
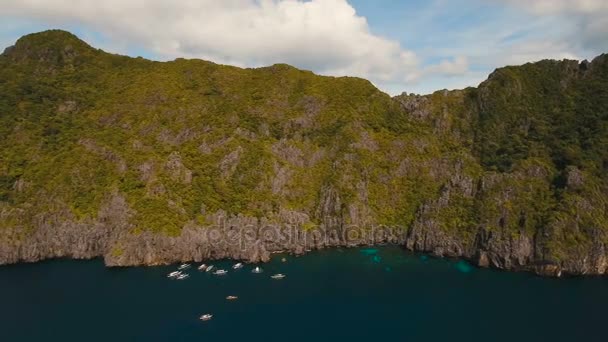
x,y
53,46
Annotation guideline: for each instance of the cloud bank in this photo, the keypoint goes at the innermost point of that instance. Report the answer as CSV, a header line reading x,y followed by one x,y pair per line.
x,y
434,44
326,36
586,20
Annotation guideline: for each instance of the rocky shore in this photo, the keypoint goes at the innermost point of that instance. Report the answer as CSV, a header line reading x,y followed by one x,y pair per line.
x,y
147,163
255,239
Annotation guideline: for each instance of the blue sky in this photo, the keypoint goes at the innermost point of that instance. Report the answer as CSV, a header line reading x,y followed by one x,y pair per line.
x,y
412,46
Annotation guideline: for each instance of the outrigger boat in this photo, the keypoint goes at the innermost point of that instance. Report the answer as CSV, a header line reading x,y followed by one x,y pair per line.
x,y
183,266
220,272
278,276
174,274
182,276
206,317
232,297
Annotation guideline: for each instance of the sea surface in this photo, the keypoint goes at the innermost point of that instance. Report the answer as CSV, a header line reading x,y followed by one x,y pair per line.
x,y
362,294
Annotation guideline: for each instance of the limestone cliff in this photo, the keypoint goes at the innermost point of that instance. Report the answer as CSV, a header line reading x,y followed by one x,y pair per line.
x,y
145,163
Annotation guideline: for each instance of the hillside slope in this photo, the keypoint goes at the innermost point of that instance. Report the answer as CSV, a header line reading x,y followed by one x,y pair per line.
x,y
146,162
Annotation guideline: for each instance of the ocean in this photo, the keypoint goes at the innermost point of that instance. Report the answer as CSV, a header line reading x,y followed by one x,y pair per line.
x,y
359,294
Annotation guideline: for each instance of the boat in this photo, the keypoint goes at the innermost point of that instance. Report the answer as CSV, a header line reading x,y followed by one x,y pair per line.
x,y
209,268
278,276
232,297
257,269
183,276
202,267
174,274
237,266
206,317
183,266
220,272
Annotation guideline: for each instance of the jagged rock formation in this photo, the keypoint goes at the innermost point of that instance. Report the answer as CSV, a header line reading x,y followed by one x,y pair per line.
x,y
151,163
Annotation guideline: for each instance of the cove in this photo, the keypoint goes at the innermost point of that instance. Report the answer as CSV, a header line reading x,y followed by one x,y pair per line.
x,y
340,294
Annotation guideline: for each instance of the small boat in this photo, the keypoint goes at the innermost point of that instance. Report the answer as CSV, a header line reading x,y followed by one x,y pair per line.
x,y
237,266
174,274
206,317
182,276
257,269
209,268
220,272
202,267
278,276
232,297
183,266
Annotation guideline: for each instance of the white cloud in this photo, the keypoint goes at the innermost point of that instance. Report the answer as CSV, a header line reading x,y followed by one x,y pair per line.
x,y
587,21
507,32
560,6
456,43
326,36
455,67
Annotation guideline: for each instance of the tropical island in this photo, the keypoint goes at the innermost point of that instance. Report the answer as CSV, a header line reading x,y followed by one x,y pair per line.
x,y
146,163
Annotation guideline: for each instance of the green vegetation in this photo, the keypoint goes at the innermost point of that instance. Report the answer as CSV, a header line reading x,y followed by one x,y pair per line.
x,y
549,109
187,138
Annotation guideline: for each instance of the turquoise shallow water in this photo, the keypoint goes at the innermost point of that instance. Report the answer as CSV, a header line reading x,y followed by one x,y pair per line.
x,y
342,294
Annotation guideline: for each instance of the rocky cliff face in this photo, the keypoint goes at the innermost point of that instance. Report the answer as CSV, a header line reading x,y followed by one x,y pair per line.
x,y
220,236
146,163
524,210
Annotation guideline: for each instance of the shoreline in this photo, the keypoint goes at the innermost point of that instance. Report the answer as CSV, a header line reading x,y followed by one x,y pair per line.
x,y
530,269
252,239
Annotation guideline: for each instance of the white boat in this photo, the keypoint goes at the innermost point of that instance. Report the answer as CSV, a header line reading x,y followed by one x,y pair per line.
x,y
278,276
232,297
220,272
183,266
202,267
257,269
174,274
209,268
183,276
237,266
206,317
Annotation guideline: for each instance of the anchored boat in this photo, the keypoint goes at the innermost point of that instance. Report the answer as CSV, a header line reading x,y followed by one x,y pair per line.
x,y
206,317
174,274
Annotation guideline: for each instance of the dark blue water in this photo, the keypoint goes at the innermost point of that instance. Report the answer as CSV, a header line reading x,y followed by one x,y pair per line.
x,y
340,295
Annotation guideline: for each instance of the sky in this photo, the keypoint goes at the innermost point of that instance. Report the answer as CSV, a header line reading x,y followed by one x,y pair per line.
x,y
416,46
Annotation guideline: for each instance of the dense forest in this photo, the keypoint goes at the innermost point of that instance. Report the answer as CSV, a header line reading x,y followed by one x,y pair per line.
x,y
131,159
